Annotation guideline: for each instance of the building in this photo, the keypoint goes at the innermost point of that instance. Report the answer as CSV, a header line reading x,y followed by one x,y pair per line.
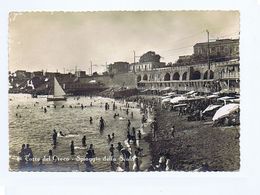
x,y
221,48
118,67
193,74
147,62
80,73
37,74
22,74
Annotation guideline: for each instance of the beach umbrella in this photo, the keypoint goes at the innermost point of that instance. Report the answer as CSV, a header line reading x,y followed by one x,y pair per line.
x,y
225,111
235,100
166,89
212,96
92,81
179,105
166,97
177,99
190,93
166,100
225,98
211,107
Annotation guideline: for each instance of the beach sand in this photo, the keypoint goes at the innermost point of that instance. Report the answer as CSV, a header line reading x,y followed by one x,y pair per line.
x,y
195,143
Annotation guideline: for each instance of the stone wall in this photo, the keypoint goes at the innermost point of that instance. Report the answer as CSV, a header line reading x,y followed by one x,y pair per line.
x,y
117,80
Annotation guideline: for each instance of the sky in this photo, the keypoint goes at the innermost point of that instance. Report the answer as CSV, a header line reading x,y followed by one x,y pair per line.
x,y
65,41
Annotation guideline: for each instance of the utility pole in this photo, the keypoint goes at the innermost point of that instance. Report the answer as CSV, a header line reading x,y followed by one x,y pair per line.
x,y
91,68
134,62
208,55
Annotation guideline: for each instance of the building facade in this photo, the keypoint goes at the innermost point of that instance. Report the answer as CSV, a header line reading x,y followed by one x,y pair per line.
x,y
118,67
219,48
199,75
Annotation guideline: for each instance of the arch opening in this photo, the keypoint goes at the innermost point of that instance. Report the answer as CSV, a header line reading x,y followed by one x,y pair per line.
x,y
176,76
167,77
196,75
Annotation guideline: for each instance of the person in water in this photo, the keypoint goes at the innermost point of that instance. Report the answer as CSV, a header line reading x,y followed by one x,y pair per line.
x,y
109,139
91,152
119,146
129,137
45,110
89,166
54,137
113,136
22,156
90,120
61,134
132,115
72,148
50,153
101,123
29,154
112,149
84,141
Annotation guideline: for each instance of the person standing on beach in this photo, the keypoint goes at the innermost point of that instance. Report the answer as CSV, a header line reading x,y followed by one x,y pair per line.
x,y
154,127
173,131
114,106
132,115
143,119
72,148
128,124
139,135
54,138
136,166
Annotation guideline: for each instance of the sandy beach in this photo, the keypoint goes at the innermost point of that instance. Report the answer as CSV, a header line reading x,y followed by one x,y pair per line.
x,y
195,143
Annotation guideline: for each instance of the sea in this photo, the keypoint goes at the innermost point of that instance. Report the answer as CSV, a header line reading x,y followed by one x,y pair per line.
x,y
29,124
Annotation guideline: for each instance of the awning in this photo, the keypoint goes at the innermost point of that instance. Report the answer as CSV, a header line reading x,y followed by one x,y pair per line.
x,y
166,89
190,93
177,99
166,100
212,96
211,107
179,105
225,98
225,111
92,81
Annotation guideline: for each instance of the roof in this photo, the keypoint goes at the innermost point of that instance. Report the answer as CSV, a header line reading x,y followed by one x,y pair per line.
x,y
219,41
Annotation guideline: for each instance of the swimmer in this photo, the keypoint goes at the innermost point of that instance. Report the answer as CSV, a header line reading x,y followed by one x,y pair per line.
x,y
109,139
72,148
112,149
84,141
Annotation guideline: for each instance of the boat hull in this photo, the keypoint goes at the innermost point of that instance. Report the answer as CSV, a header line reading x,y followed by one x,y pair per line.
x,y
56,99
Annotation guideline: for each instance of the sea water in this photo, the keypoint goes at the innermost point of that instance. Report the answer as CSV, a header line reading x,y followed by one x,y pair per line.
x,y
29,124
